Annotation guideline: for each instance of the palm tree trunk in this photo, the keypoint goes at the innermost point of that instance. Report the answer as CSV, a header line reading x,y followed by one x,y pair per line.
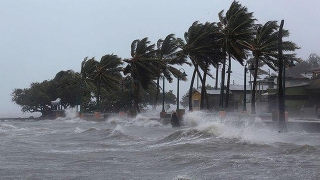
x,y
190,89
203,88
253,96
221,102
202,93
217,79
228,83
281,94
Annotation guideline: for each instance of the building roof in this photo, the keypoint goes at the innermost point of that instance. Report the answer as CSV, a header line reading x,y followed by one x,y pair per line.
x,y
214,91
232,88
238,87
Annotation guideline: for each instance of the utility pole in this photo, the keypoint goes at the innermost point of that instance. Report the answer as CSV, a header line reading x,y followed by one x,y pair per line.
x,y
245,89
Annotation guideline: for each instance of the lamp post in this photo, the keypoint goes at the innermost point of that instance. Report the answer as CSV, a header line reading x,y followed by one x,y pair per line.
x,y
228,86
221,100
183,74
245,89
178,97
251,68
79,96
163,94
130,96
122,99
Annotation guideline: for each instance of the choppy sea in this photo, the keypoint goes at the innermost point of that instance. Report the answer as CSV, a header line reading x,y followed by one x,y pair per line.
x,y
205,147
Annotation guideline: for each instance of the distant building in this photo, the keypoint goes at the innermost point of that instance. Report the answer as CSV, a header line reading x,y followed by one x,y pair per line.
x,y
236,97
302,95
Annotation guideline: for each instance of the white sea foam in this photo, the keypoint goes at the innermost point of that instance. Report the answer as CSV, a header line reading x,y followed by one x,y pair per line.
x,y
7,126
143,121
146,119
248,129
179,177
117,130
71,116
78,130
117,119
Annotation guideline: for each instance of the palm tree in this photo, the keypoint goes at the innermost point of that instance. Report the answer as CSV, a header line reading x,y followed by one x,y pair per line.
x,y
105,73
236,27
86,82
142,67
264,47
199,46
108,74
166,55
213,57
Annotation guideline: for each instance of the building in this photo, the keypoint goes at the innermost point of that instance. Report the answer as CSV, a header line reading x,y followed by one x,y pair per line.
x,y
302,95
236,97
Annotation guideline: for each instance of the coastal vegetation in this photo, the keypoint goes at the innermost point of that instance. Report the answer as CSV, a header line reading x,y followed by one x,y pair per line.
x,y
116,84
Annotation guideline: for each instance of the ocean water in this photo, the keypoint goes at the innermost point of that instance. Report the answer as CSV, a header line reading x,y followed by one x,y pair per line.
x,y
206,147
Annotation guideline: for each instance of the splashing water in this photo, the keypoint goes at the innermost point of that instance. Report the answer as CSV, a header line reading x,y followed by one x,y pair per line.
x,y
117,130
71,113
245,129
205,147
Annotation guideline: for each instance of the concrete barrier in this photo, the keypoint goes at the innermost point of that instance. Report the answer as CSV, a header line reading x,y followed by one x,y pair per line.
x,y
122,113
222,114
97,115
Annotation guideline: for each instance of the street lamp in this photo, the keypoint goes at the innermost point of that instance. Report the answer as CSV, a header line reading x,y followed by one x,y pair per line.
x,y
245,89
163,94
79,95
228,86
245,85
183,74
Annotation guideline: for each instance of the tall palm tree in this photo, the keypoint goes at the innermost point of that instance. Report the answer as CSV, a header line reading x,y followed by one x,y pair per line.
x,y
236,27
166,55
264,47
142,67
198,46
212,57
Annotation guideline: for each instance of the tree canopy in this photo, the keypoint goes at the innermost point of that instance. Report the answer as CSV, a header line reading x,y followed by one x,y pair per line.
x,y
114,83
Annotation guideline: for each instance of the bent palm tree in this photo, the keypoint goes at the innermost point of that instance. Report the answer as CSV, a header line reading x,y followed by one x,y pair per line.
x,y
166,55
264,48
236,27
199,46
105,73
142,67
